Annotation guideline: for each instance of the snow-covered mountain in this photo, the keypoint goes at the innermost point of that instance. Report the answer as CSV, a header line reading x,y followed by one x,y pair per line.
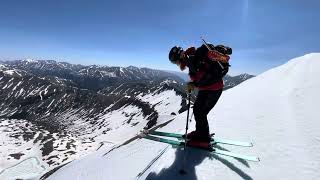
x,y
277,111
59,112
90,77
232,81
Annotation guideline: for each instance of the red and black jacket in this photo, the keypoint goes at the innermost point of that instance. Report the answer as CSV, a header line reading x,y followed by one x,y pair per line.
x,y
203,71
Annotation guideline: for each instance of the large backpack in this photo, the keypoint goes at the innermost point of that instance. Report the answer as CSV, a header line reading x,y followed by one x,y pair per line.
x,y
219,57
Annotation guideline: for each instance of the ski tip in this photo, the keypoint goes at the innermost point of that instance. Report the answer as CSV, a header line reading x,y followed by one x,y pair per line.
x,y
256,159
141,135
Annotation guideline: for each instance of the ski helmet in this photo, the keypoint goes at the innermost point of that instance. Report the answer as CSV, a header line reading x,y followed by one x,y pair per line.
x,y
174,54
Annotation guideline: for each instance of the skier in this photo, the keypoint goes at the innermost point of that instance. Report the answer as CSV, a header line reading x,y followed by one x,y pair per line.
x,y
206,75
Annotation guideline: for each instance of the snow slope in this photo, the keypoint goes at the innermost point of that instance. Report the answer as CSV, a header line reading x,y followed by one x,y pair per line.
x,y
277,110
29,168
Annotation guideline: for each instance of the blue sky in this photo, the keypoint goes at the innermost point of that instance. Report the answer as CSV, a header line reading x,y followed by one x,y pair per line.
x,y
262,33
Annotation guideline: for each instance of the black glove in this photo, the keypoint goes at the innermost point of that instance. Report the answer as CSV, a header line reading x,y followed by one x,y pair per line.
x,y
191,86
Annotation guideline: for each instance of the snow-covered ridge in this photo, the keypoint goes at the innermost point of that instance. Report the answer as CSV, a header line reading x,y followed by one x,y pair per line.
x,y
277,111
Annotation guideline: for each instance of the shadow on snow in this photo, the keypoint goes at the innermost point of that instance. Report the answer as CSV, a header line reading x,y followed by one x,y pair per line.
x,y
194,158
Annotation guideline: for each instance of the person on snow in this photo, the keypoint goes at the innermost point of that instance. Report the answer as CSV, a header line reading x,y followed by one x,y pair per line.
x,y
206,75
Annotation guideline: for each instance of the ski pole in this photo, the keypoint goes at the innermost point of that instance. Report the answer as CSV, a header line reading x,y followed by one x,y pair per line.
x,y
182,171
206,44
187,124
190,107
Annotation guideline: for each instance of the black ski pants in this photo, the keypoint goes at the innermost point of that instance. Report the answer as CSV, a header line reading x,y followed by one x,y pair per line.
x,y
206,100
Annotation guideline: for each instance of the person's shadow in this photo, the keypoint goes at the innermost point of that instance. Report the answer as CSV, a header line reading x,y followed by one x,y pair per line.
x,y
194,157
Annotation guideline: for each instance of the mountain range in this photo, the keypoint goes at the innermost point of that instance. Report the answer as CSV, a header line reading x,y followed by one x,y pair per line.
x,y
59,111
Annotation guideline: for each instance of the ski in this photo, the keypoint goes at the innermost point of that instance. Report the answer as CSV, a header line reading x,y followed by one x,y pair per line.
x,y
214,141
212,150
